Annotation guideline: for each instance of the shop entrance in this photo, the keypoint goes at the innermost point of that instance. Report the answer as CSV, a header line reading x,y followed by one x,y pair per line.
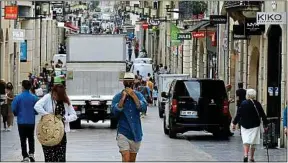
x,y
274,74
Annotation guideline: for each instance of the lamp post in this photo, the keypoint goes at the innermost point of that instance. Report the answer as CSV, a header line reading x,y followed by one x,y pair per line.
x,y
42,9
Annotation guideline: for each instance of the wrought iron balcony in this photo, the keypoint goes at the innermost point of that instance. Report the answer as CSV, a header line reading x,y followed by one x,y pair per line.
x,y
242,4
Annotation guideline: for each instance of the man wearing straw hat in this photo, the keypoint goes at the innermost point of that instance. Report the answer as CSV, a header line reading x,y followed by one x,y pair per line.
x,y
126,106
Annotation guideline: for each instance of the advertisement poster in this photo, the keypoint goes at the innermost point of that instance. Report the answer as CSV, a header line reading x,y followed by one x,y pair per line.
x,y
23,51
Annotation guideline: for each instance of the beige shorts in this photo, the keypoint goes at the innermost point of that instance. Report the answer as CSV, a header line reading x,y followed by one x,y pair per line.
x,y
125,144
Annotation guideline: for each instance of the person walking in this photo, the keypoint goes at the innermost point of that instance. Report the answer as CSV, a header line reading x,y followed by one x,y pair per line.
x,y
155,95
127,106
146,92
249,115
58,103
136,48
23,108
240,97
9,99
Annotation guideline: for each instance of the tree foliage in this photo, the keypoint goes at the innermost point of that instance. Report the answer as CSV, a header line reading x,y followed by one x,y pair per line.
x,y
198,7
95,4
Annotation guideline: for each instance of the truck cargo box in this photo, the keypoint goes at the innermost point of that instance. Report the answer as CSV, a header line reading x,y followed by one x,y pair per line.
x,y
85,47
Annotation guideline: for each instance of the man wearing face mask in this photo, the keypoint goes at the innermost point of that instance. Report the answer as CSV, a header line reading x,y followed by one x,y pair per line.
x,y
127,106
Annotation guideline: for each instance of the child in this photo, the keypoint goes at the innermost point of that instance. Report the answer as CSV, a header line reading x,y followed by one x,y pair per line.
x,y
155,95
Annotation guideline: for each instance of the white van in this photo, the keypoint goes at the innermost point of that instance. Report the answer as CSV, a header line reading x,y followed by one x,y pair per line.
x,y
143,60
61,57
143,69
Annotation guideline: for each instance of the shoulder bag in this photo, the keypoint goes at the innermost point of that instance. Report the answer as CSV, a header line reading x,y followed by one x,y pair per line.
x,y
50,129
261,123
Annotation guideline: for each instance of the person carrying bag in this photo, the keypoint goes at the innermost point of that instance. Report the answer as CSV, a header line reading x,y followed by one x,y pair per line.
x,y
57,112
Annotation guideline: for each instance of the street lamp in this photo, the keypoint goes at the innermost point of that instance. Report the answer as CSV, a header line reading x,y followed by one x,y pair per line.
x,y
42,10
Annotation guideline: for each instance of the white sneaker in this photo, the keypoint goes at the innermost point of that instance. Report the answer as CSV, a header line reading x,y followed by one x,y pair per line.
x,y
26,159
9,129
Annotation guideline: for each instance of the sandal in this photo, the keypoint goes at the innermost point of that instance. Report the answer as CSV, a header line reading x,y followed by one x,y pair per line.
x,y
252,160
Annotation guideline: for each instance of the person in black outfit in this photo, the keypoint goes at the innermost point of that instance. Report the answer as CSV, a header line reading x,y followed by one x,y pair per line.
x,y
249,115
240,96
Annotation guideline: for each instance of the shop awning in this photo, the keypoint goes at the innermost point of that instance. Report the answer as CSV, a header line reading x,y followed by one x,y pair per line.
x,y
70,26
197,26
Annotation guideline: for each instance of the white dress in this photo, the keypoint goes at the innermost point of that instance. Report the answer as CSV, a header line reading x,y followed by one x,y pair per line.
x,y
251,136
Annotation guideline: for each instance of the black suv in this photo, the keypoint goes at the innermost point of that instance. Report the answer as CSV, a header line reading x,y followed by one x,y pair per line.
x,y
196,105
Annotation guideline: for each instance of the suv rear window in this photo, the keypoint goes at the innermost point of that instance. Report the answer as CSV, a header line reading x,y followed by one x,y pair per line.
x,y
193,89
188,88
213,89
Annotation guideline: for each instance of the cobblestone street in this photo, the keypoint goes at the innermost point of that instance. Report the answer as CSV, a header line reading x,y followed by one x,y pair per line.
x,y
96,142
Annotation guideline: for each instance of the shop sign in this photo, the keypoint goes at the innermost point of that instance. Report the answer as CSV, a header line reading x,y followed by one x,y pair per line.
x,y
18,35
252,28
271,18
58,11
154,22
198,34
218,19
239,32
11,12
184,36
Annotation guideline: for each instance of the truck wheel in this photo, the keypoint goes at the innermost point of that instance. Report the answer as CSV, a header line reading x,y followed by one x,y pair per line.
x,y
113,123
160,112
76,124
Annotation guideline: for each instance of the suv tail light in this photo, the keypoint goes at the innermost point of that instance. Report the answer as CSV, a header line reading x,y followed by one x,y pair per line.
x,y
174,106
226,108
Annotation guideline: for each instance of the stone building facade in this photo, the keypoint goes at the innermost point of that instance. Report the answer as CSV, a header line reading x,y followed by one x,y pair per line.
x,y
11,68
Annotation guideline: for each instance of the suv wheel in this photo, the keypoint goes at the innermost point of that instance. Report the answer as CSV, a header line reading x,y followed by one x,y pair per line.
x,y
113,123
172,132
166,131
160,112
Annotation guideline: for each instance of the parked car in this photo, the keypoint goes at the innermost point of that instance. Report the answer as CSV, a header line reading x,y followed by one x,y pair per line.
x,y
196,105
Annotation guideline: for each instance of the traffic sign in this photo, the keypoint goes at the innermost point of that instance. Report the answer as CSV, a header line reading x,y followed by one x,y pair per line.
x,y
145,26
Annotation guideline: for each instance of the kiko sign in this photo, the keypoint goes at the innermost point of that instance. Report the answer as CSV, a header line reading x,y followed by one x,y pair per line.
x,y
271,18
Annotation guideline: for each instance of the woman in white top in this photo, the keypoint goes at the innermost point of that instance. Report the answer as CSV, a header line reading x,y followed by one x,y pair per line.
x,y
57,103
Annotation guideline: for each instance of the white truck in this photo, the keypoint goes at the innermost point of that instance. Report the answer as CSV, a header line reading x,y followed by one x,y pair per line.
x,y
94,65
163,82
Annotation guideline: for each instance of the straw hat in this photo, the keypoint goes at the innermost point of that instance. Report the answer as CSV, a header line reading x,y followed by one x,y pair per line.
x,y
129,76
50,130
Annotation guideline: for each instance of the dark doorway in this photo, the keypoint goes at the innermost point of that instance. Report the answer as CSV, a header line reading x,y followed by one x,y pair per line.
x,y
274,74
